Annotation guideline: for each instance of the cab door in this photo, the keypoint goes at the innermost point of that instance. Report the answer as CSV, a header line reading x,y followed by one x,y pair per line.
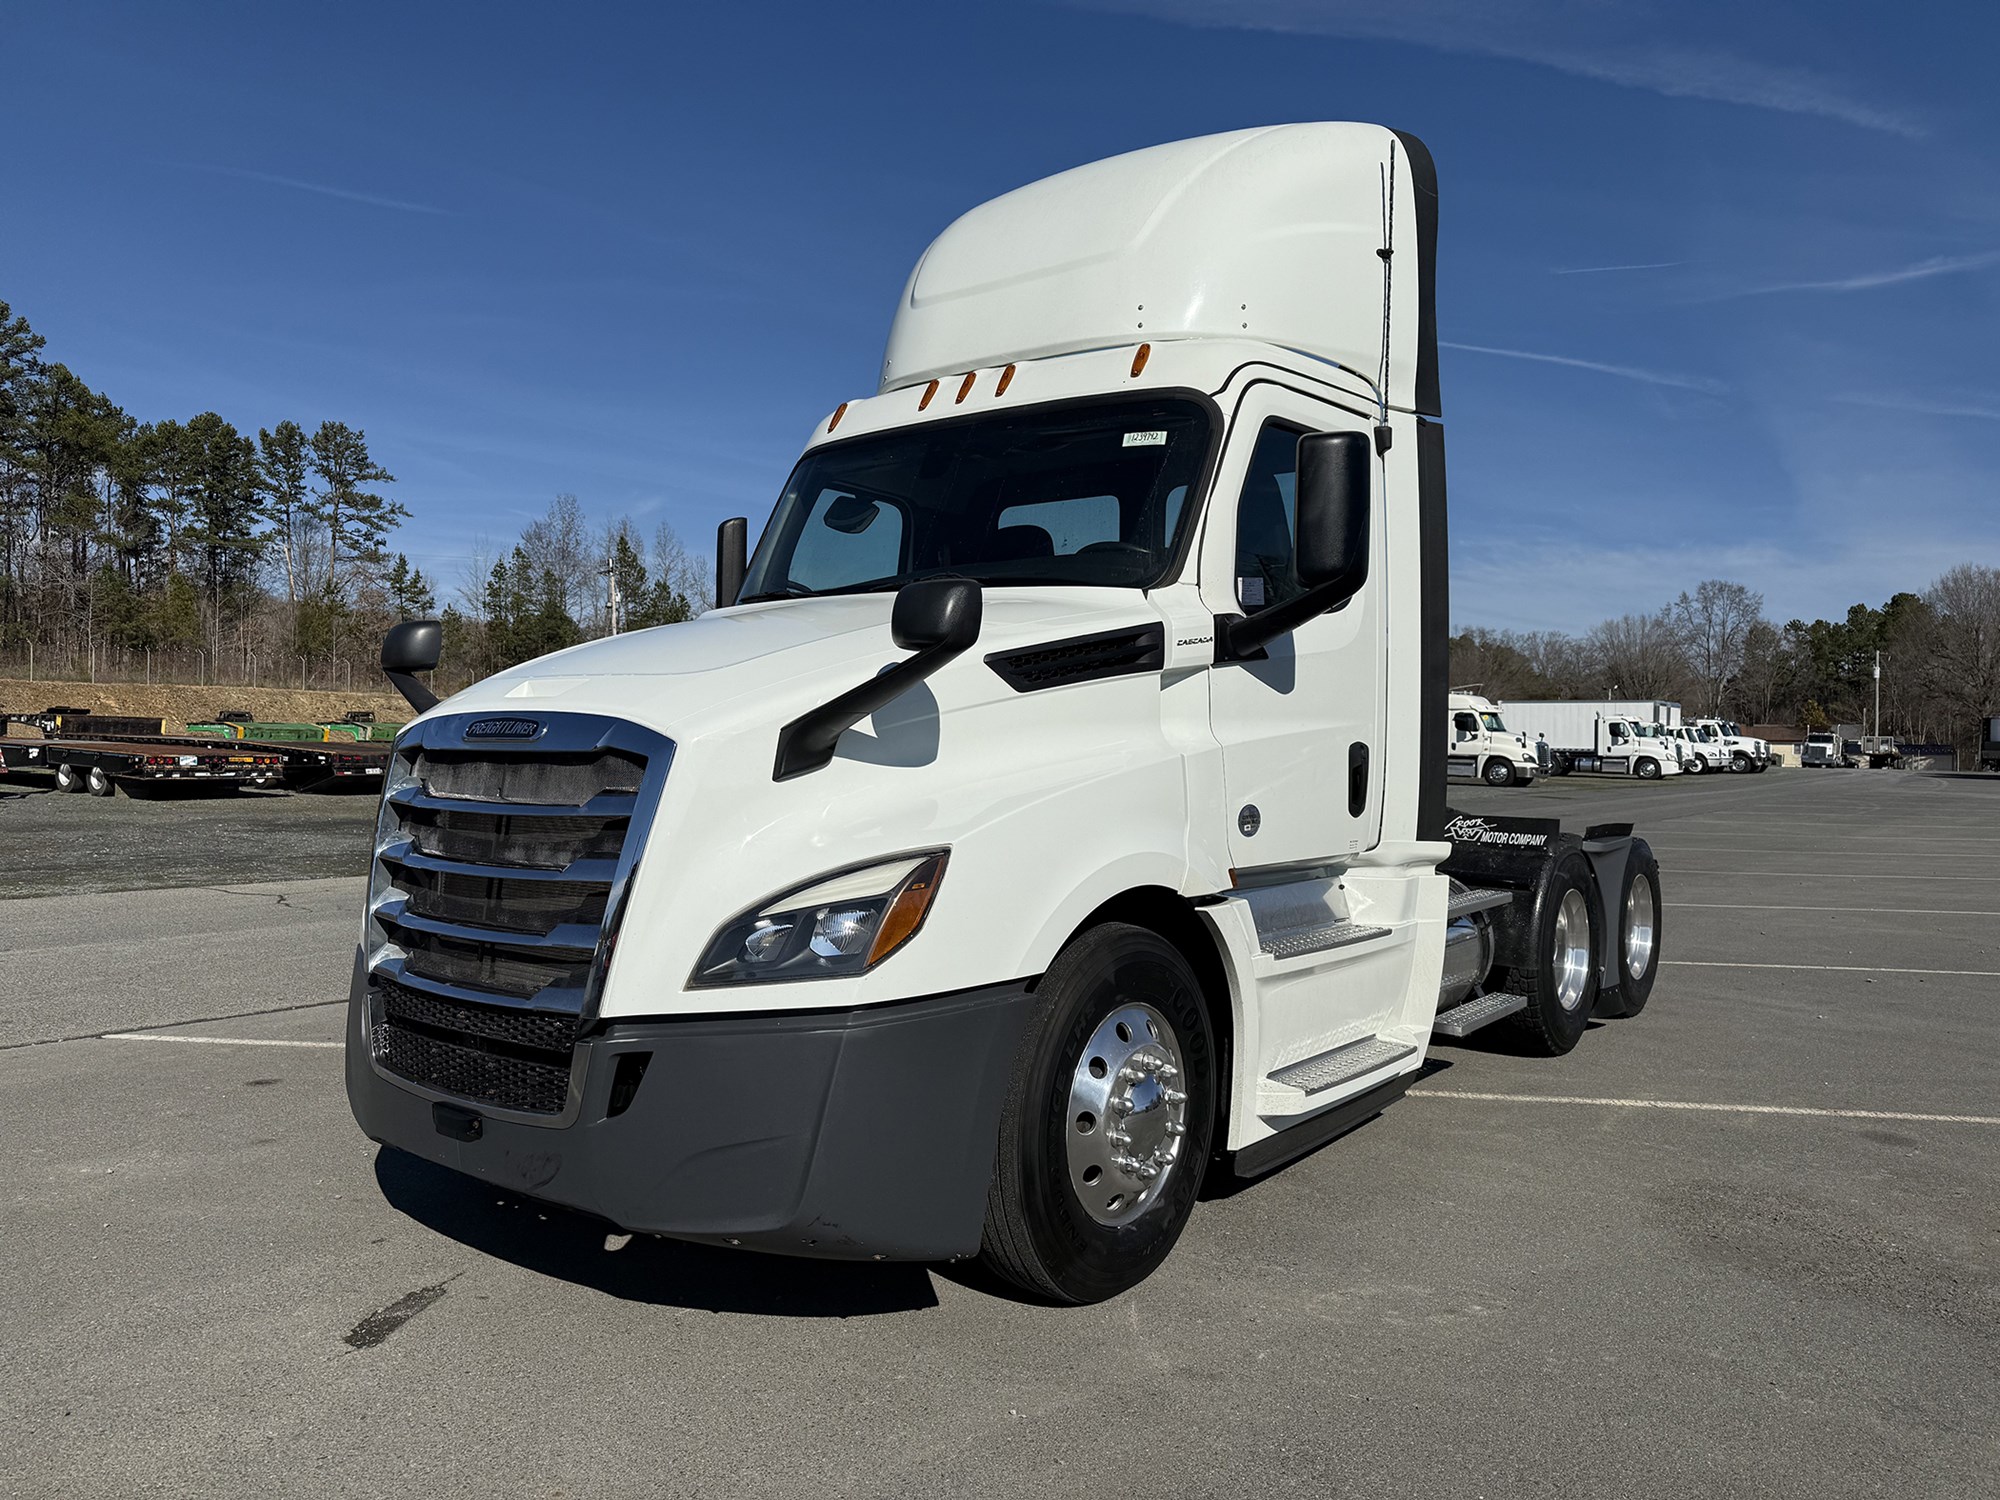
x,y
1301,728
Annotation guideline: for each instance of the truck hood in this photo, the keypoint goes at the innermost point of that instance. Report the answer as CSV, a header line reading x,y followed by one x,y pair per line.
x,y
776,659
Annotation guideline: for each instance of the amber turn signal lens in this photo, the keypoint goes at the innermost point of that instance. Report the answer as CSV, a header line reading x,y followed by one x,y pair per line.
x,y
965,387
838,412
1006,379
1139,360
929,391
906,912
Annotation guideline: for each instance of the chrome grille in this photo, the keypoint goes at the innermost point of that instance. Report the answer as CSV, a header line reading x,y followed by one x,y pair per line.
x,y
499,876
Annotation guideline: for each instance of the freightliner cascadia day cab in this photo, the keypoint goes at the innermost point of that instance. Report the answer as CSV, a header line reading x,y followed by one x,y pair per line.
x,y
1616,736
1482,748
1053,811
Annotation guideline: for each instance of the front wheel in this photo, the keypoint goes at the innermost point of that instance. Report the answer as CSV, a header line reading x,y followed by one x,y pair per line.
x,y
1499,772
1648,770
1738,761
1106,1128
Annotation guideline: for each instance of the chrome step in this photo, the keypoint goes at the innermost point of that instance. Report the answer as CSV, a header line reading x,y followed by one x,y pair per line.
x,y
1297,941
1342,1063
1465,900
1466,1018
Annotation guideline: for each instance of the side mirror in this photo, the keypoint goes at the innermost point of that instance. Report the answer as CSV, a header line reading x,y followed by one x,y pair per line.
x,y
1333,495
732,559
411,647
936,612
937,619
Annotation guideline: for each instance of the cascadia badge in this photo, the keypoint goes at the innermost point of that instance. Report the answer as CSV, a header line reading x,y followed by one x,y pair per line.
x,y
503,729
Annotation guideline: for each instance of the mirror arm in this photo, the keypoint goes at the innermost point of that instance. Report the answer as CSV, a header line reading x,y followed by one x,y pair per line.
x,y
806,744
1242,637
419,697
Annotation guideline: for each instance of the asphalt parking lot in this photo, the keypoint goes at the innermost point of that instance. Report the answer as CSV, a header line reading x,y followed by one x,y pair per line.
x,y
1745,1244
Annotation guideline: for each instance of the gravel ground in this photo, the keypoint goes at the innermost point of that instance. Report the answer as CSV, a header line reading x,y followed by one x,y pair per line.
x,y
1746,1244
52,842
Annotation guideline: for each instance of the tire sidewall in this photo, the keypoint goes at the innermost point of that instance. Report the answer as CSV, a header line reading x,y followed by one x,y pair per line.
x,y
1504,776
1105,967
1633,993
1647,769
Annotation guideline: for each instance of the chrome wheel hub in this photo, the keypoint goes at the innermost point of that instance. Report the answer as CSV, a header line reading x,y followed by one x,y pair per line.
x,y
1571,959
1638,926
1127,1114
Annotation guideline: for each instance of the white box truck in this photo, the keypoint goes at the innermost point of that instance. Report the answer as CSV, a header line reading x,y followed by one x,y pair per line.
x,y
1619,737
1053,810
1483,748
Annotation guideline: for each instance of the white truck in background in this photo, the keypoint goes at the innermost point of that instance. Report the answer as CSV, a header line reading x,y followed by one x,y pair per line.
x,y
1701,749
1746,751
1612,736
1483,748
1050,815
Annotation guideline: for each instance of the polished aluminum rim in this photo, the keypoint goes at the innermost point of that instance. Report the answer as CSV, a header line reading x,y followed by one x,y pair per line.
x,y
1572,949
1639,927
1126,1116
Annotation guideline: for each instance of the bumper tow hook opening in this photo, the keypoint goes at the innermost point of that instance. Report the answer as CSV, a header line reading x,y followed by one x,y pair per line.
x,y
459,1124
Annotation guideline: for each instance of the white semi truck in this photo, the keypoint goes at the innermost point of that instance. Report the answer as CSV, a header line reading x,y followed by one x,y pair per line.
x,y
1621,737
1701,749
1483,748
1053,810
1746,751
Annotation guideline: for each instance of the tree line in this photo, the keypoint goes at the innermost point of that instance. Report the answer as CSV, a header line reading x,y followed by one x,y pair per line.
x,y
1713,650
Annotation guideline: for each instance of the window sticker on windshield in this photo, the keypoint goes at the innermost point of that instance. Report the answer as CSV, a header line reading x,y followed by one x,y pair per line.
x,y
1253,592
1144,439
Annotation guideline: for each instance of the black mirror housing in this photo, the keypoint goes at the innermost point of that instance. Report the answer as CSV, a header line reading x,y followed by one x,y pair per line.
x,y
936,612
411,647
1334,491
732,559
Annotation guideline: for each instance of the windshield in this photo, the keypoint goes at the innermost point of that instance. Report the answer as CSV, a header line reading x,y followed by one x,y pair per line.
x,y
1492,721
1080,494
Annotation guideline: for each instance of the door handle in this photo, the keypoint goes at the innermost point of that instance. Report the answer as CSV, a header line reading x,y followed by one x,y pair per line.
x,y
1357,778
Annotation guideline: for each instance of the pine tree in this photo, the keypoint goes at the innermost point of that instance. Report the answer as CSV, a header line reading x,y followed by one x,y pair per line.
x,y
411,596
354,520
284,463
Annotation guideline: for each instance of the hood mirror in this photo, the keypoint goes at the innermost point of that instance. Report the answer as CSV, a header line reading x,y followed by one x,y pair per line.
x,y
409,648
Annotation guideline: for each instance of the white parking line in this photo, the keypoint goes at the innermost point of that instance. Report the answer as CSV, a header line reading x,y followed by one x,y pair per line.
x,y
1722,1109
1711,963
213,1041
1894,911
1836,875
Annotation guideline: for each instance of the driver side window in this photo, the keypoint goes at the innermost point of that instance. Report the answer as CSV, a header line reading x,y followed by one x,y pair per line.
x,y
1266,521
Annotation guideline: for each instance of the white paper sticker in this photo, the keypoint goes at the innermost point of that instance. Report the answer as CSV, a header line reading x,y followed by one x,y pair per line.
x,y
1144,439
1253,592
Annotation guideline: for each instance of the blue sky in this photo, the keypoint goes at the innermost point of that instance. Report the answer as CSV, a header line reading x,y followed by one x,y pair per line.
x,y
1721,281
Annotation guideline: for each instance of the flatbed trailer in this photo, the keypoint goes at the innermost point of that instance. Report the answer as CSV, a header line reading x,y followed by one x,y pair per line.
x,y
101,766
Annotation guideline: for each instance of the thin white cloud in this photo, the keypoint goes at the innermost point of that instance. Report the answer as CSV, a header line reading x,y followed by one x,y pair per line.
x,y
1624,45
1651,265
1923,270
299,184
1623,372
1925,409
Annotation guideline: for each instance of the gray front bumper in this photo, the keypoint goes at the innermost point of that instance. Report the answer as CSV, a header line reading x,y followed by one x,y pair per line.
x,y
845,1134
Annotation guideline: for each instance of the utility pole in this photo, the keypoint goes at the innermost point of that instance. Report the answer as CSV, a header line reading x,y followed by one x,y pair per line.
x,y
612,602
1878,696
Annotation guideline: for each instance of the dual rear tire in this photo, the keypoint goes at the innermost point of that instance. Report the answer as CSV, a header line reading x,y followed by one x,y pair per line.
x,y
1567,937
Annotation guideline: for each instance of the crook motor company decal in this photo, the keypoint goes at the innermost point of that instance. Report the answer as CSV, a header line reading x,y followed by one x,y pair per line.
x,y
1501,833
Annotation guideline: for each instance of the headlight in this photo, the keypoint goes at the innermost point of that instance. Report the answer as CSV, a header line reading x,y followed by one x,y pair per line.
x,y
844,923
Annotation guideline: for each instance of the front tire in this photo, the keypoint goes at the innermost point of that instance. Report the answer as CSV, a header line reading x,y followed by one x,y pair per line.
x,y
1648,770
1499,772
1107,1124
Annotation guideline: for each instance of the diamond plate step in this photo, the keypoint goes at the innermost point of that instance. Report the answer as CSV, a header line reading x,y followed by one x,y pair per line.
x,y
1465,900
1463,1020
1342,1063
1296,941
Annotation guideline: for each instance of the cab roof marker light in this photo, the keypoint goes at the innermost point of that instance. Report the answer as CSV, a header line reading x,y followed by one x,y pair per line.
x,y
930,391
965,387
1006,379
838,412
1139,360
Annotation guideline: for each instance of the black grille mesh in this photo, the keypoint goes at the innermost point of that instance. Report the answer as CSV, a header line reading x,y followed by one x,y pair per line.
x,y
518,1060
536,906
1110,653
523,840
553,780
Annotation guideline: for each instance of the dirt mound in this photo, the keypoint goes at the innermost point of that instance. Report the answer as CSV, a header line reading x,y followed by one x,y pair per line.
x,y
181,704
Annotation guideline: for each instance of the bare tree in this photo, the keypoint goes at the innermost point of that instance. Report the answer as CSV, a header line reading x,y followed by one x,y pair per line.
x,y
1713,623
1636,656
560,546
1964,640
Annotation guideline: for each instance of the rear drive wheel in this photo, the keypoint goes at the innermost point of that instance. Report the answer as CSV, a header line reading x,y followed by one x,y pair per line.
x,y
1499,772
68,779
1106,1128
101,785
1639,912
1561,983
1648,769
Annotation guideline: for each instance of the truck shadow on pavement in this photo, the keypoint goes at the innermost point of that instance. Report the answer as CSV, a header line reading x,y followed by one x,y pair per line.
x,y
571,1246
